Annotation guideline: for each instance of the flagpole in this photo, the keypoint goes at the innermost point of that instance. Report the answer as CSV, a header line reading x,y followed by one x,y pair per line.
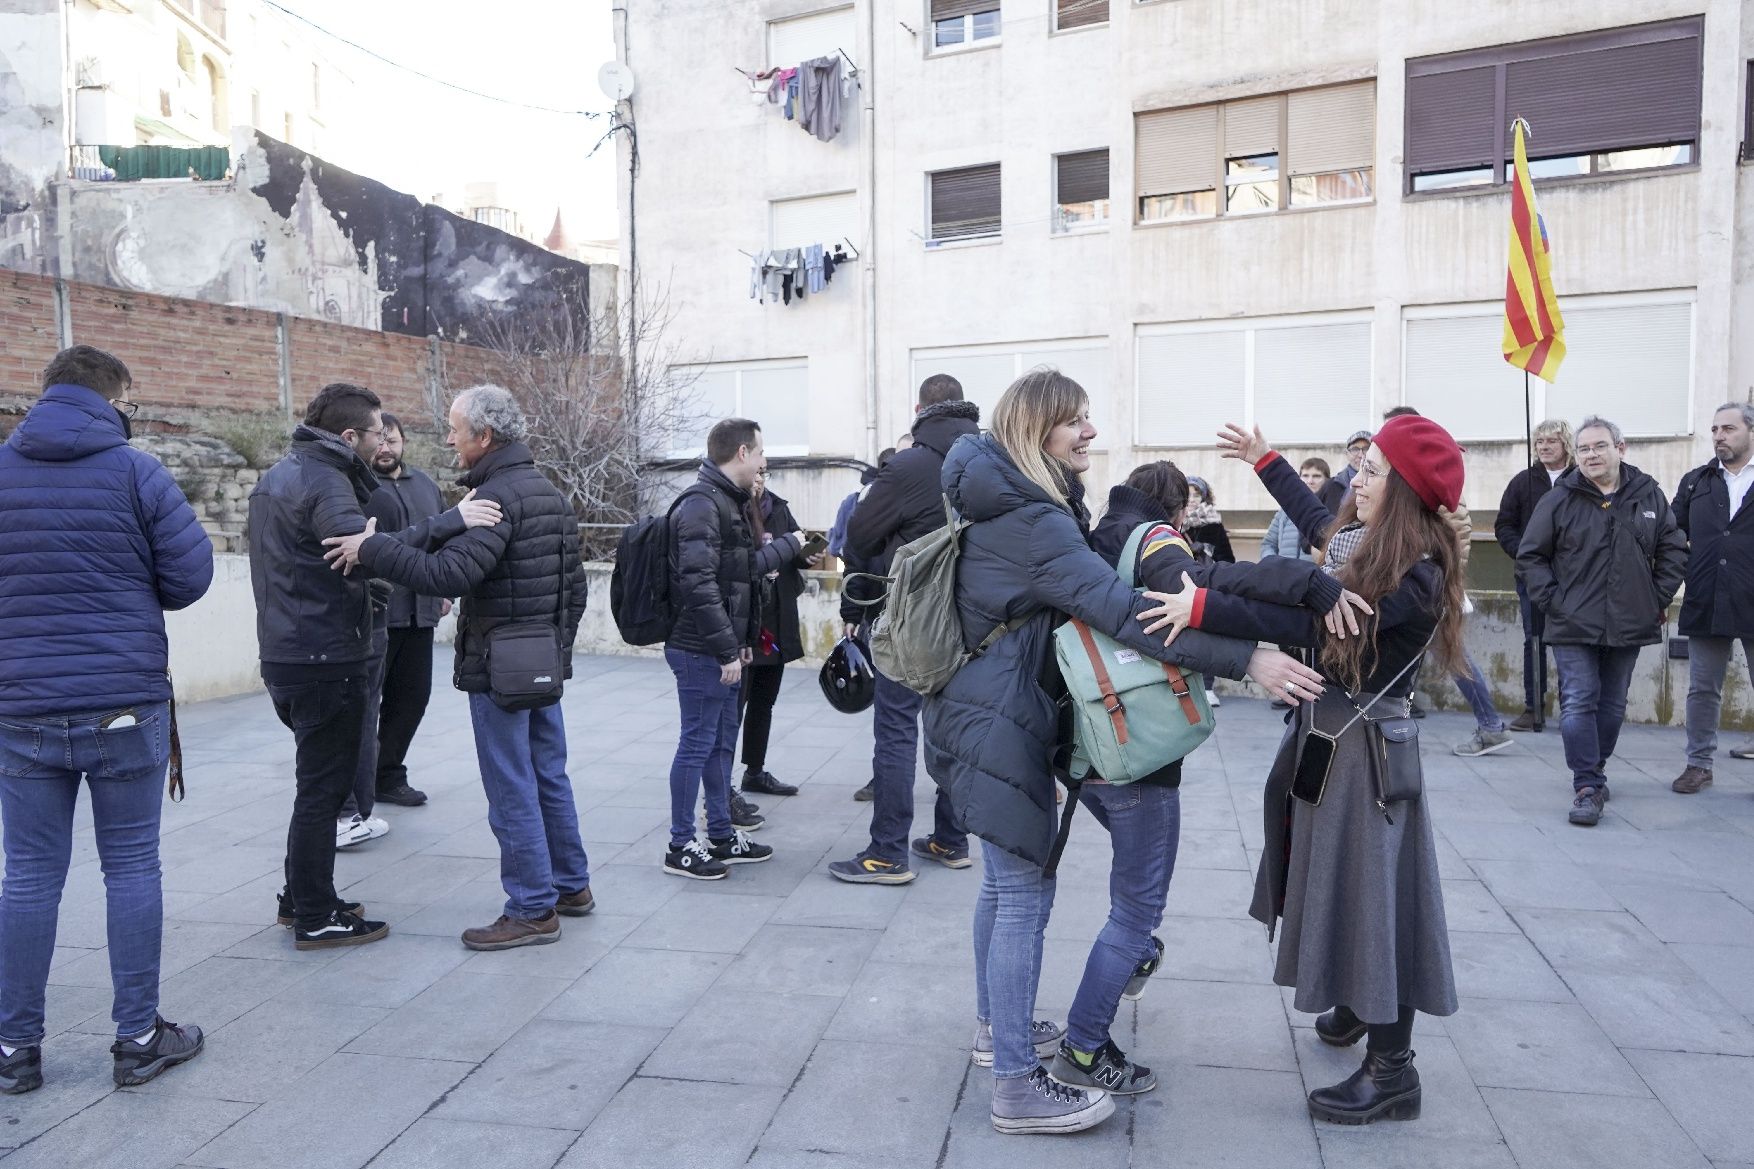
x,y
1528,424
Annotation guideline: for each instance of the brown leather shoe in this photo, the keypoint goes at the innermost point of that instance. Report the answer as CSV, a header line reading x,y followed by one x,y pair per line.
x,y
1691,781
510,932
1528,721
575,904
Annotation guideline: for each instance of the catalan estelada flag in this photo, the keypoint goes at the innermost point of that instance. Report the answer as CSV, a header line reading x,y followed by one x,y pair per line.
x,y
1534,332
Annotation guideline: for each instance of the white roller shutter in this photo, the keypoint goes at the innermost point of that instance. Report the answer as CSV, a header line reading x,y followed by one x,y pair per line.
x,y
1312,382
1629,363
1088,365
1188,384
820,219
778,397
820,34
983,372
1453,371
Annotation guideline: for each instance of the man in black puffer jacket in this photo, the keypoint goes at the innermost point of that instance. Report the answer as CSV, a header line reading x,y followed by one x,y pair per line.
x,y
523,569
905,502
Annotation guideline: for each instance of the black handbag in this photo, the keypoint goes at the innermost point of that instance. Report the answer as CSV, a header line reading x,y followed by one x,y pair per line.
x,y
526,660
1396,772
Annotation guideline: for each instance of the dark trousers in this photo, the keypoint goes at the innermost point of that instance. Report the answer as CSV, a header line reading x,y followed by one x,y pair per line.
x,y
326,720
761,689
364,797
895,742
1593,680
407,690
1534,656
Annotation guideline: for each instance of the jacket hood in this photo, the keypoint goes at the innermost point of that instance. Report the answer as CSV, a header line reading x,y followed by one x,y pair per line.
x,y
1632,482
1132,504
68,422
983,483
329,448
937,427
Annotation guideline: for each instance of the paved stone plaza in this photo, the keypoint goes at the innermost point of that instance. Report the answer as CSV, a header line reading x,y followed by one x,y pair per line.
x,y
780,1018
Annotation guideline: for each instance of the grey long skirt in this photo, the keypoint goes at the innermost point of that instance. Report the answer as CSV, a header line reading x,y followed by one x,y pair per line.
x,y
1363,924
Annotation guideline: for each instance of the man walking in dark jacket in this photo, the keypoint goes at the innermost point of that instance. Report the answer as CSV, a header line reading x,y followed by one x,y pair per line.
x,y
904,503
96,542
1526,489
1602,558
716,565
1711,508
523,570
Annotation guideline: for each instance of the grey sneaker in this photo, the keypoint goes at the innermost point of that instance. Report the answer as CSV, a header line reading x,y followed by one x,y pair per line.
x,y
1108,1069
1586,809
1035,1104
1043,1034
1142,973
1483,743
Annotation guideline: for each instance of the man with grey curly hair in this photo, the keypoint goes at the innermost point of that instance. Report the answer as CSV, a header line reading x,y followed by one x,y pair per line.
x,y
523,570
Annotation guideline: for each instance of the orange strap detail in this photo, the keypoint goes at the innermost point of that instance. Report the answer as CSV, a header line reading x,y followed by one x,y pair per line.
x,y
1111,702
1178,684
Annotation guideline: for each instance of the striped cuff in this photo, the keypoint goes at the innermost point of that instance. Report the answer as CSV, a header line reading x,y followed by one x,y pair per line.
x,y
1199,609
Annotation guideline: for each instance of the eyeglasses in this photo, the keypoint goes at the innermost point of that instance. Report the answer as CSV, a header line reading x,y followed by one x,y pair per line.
x,y
126,408
1367,472
1598,448
377,430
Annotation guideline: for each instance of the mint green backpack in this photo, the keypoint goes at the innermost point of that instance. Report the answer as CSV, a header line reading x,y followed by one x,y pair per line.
x,y
1132,714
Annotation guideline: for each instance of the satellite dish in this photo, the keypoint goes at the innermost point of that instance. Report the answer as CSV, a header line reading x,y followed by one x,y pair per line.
x,y
616,81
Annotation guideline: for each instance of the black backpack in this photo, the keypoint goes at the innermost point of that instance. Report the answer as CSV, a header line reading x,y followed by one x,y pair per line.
x,y
640,595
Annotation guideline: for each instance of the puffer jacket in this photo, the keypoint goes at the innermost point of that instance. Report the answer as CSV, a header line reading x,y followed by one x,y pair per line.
x,y
1602,571
992,735
96,541
398,503
715,565
520,569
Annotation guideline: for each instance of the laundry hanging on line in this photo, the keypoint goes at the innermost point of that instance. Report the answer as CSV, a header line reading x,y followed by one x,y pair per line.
x,y
787,274
811,93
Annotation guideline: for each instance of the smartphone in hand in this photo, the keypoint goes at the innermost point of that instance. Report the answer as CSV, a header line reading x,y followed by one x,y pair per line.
x,y
814,546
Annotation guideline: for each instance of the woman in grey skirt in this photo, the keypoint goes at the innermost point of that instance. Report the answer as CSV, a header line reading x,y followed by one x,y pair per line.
x,y
1354,882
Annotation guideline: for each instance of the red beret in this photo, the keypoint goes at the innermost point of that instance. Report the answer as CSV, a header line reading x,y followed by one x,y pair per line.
x,y
1424,454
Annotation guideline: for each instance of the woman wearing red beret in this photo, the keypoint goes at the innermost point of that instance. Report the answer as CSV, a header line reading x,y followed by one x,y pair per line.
x,y
1353,883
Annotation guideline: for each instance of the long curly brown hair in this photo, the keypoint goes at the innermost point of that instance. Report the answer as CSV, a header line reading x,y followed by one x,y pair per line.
x,y
1401,533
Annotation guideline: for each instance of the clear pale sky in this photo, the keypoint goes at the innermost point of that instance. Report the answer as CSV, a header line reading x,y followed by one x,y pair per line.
x,y
426,139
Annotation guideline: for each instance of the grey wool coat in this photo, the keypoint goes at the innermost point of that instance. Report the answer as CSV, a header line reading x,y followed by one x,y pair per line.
x,y
992,734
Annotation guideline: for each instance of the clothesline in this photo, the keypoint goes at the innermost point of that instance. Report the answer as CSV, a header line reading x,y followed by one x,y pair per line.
x,y
784,273
809,93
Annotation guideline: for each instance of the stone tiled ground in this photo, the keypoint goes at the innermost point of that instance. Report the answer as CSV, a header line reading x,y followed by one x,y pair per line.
x,y
780,1019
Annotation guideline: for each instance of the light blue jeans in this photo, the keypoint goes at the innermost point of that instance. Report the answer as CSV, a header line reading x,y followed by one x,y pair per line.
x,y
530,808
1010,917
1479,695
42,761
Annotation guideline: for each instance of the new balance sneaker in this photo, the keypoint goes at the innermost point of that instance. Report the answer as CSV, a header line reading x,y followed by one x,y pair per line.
x,y
693,861
1483,743
866,869
950,858
508,933
285,914
1143,971
1036,1104
575,904
738,849
1106,1068
342,929
22,1071
744,815
168,1046
1044,1036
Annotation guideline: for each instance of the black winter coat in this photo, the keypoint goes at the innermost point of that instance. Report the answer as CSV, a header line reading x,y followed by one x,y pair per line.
x,y
518,570
1603,571
778,613
715,564
397,504
906,500
1525,489
992,735
1720,561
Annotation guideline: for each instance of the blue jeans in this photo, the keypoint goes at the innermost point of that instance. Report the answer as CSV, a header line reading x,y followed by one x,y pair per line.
x,y
1593,680
895,742
703,748
1010,916
1479,695
41,763
1144,824
1534,655
522,754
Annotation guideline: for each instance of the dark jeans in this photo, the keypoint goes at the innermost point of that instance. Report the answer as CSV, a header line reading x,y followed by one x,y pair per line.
x,y
704,745
42,761
407,689
1593,680
529,804
325,718
364,796
1534,656
760,690
895,742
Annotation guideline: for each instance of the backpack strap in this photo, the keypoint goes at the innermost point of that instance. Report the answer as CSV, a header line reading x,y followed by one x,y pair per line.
x,y
1111,702
1178,686
1053,864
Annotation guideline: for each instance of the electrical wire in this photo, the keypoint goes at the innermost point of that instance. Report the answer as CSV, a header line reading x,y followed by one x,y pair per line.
x,y
298,16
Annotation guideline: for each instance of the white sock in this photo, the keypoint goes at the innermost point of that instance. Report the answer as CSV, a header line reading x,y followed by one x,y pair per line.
x,y
145,1037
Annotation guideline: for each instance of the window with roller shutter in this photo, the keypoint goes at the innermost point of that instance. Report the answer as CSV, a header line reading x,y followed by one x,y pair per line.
x,y
964,203
1625,99
985,372
1080,190
962,24
817,34
1070,14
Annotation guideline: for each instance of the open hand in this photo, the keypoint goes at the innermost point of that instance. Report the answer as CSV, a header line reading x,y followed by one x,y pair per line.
x,y
1284,677
1236,443
1175,610
1342,619
479,513
343,551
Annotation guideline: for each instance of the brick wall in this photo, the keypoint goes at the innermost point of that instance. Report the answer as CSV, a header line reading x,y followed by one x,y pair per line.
x,y
27,330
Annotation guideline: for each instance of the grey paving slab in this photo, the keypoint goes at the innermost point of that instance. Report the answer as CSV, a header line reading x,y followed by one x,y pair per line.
x,y
714,1041
1470,908
430,1142
256,1056
385,974
973,1141
553,1073
639,987
76,1075
1380,1147
186,944
1524,884
802,959
127,1130
904,1003
1607,942
1504,966
1689,915
1216,950
878,1103
690,921
1509,1044
1563,1130
463,1016
1225,1117
1218,1024
1709,1095
1662,1011
1725,969
703,1125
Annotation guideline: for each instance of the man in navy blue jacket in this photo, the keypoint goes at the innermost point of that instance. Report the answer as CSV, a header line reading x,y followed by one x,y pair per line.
x,y
96,542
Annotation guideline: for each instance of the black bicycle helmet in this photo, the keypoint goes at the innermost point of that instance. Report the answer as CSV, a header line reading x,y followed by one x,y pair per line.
x,y
849,681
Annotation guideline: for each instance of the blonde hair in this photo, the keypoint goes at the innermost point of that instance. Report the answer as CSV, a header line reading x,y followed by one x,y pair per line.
x,y
1027,413
1561,429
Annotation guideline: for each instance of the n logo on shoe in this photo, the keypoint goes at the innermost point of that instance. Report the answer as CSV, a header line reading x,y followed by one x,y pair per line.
x,y
1108,1075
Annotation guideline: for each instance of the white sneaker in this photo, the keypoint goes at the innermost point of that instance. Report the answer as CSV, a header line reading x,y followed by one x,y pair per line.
x,y
375,826
1212,699
350,832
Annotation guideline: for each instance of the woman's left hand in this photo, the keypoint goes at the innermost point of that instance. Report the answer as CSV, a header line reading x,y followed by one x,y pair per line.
x,y
1176,610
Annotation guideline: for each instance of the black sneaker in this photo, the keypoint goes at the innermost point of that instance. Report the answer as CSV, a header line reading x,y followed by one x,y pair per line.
x,y
738,849
1143,971
1108,1068
22,1071
342,929
763,783
170,1045
284,914
402,796
743,814
867,793
693,861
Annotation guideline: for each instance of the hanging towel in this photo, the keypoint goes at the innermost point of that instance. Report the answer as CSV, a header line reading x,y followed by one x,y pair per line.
x,y
819,113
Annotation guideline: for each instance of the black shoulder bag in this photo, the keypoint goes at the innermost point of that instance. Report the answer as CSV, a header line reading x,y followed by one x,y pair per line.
x,y
526,660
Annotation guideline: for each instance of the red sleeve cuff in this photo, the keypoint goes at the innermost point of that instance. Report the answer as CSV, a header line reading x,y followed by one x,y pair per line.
x,y
1199,609
1265,459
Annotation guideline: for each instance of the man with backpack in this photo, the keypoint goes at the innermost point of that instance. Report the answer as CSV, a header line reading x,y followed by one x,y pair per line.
x,y
905,502
714,565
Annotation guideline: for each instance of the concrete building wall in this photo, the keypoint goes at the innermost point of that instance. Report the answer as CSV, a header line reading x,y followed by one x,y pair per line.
x,y
712,162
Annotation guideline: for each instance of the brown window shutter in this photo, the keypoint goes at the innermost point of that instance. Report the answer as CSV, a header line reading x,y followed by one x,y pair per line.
x,y
1251,126
1175,151
1449,119
1080,13
1082,177
1598,99
965,202
1332,129
946,9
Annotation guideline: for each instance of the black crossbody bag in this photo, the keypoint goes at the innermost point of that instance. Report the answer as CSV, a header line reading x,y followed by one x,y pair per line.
x,y
1396,772
526,660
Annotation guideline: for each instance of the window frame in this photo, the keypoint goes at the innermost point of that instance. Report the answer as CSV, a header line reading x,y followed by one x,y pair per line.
x,y
970,43
997,235
1022,353
1054,28
1056,227
738,369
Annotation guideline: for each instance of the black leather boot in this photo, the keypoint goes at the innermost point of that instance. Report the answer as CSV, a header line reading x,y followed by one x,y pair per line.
x,y
1340,1027
1385,1087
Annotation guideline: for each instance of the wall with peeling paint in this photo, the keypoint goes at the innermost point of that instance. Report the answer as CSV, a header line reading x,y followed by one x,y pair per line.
x,y
32,127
